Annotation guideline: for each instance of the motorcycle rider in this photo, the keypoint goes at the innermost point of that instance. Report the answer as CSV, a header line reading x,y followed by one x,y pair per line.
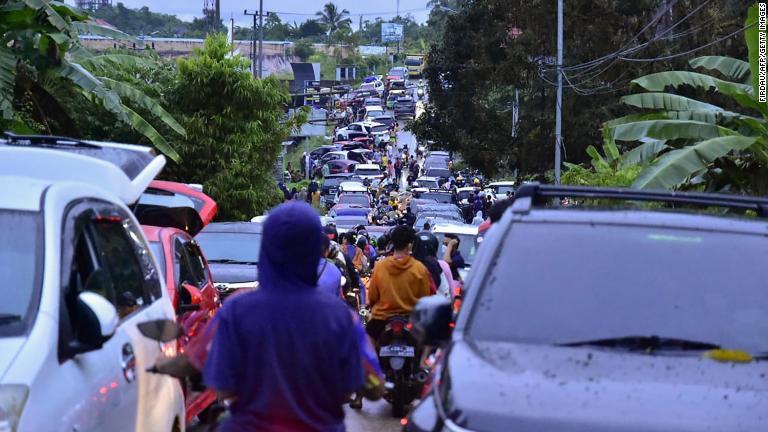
x,y
397,282
425,250
266,366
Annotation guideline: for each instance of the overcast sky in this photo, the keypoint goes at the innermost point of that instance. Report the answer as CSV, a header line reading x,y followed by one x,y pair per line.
x,y
292,10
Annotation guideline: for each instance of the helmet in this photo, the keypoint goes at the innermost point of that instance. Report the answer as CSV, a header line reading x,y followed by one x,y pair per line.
x,y
331,231
477,181
426,245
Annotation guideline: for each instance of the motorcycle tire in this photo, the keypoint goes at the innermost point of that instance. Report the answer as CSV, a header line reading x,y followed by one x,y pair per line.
x,y
398,399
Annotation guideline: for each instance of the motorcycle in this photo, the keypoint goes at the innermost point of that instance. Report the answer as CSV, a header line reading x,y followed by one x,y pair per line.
x,y
399,357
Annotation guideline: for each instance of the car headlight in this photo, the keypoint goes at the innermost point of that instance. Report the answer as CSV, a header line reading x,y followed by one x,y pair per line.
x,y
12,400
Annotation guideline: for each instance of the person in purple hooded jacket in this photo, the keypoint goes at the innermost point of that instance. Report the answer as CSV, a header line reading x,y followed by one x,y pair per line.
x,y
287,356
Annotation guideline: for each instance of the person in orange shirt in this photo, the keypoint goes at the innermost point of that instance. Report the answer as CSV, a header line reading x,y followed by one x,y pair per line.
x,y
397,283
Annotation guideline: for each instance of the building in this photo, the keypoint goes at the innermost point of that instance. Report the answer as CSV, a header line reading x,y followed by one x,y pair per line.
x,y
92,5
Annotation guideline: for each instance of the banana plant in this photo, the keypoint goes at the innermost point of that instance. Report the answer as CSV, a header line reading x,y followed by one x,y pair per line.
x,y
682,139
40,49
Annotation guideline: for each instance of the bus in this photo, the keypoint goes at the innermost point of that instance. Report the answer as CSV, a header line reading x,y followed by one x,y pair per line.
x,y
415,65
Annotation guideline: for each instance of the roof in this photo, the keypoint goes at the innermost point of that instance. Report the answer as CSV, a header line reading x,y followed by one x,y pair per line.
x,y
352,186
233,227
455,228
21,193
122,169
502,183
367,166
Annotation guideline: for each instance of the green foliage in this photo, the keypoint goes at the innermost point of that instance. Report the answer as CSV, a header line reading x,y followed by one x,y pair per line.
x,y
492,48
704,143
142,21
234,127
333,19
303,49
44,67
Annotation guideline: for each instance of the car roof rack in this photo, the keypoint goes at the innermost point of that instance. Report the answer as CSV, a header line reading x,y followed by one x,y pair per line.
x,y
532,194
44,141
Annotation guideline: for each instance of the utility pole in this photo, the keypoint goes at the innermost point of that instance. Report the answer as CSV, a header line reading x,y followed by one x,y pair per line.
x,y
260,15
559,102
261,36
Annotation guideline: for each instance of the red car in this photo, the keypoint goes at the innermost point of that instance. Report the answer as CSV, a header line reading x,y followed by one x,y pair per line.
x,y
171,214
338,166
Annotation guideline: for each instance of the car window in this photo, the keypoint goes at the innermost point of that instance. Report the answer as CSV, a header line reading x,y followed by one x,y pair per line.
x,y
358,199
157,251
116,257
230,247
368,172
21,261
467,246
189,266
625,281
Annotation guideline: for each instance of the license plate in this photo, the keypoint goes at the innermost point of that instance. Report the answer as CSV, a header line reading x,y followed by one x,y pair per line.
x,y
397,351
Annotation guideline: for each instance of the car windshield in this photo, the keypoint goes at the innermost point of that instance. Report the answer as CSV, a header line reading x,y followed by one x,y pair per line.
x,y
626,281
467,246
413,62
21,259
236,247
438,172
368,172
464,195
358,199
439,197
334,181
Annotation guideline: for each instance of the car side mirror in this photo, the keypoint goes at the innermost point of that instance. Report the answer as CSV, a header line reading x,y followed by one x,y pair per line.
x,y
161,330
432,319
190,298
96,320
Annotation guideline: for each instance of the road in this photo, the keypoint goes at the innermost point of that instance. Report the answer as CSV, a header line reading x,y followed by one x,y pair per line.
x,y
374,417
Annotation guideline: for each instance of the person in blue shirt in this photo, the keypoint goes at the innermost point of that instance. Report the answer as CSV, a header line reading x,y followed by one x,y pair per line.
x,y
329,276
287,356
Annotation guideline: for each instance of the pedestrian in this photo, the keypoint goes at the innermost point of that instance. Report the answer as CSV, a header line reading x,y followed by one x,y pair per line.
x,y
325,171
302,195
279,374
399,168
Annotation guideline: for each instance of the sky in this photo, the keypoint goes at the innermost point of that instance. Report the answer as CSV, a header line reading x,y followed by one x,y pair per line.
x,y
289,10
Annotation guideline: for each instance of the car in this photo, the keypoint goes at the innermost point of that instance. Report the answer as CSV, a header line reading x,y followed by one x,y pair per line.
x,y
436,195
405,107
371,112
373,102
433,219
322,150
427,182
349,210
232,249
376,85
343,155
192,292
339,166
397,74
439,153
387,120
370,172
463,194
547,339
331,185
351,198
468,243
442,173
502,187
346,223
79,278
363,129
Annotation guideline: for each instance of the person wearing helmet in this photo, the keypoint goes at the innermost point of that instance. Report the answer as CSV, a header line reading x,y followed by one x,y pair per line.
x,y
425,250
476,182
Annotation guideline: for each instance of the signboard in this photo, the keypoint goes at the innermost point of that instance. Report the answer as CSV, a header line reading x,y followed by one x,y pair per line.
x,y
391,32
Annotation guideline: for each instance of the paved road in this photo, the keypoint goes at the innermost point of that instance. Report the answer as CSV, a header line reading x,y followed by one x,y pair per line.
x,y
374,417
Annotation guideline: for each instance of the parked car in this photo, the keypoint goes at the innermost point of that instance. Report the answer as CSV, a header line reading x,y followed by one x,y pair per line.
x,y
405,107
351,198
442,173
349,210
387,120
377,130
371,112
437,195
343,155
374,102
331,185
78,278
322,150
338,166
548,339
232,249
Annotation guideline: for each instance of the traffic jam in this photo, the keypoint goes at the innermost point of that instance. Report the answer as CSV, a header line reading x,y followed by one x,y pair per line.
x,y
397,277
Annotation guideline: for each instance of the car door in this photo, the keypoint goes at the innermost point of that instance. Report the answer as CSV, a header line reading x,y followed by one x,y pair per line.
x,y
191,268
104,253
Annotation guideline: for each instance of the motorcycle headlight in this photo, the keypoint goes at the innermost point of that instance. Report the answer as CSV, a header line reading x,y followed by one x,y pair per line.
x,y
12,400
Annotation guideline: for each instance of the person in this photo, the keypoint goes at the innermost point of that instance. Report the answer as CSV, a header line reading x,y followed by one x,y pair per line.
x,y
303,195
399,168
408,218
397,283
478,219
350,248
313,187
329,276
425,250
279,374
325,171
426,227
452,254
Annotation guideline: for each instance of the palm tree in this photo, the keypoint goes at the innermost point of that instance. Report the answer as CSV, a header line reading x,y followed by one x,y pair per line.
x,y
333,19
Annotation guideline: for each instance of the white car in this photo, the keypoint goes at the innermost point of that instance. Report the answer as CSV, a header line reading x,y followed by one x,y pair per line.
x,y
78,276
373,111
501,188
468,243
371,172
379,131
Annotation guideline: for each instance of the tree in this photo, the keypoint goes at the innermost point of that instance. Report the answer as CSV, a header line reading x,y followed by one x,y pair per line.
x,y
496,52
705,144
333,19
310,29
43,65
235,126
303,49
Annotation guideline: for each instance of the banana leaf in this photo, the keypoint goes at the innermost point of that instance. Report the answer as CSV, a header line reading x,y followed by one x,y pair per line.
x,y
7,80
669,129
158,141
103,61
731,68
90,28
643,153
667,102
677,166
127,92
91,85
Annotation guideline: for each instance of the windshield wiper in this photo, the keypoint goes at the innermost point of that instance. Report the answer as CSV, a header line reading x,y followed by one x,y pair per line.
x,y
645,343
231,261
9,318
